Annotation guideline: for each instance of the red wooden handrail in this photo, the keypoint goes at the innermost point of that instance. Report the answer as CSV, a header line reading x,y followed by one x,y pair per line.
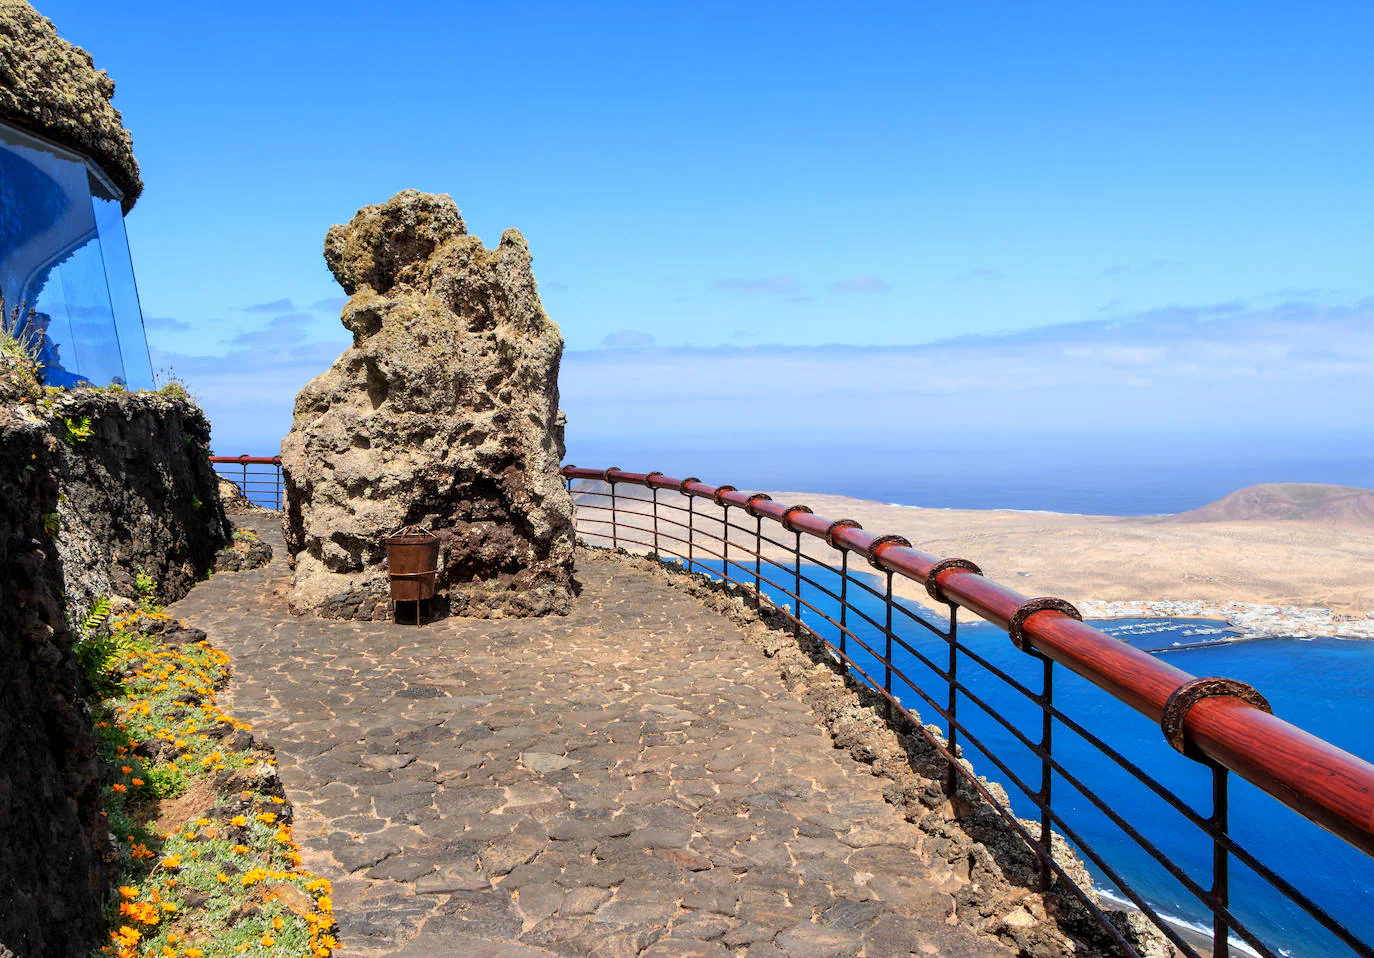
x,y
1321,782
249,460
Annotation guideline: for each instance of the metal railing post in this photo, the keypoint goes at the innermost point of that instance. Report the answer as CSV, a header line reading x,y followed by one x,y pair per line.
x,y
758,572
797,620
655,494
725,557
844,600
615,520
887,651
1221,881
1046,771
951,774
691,515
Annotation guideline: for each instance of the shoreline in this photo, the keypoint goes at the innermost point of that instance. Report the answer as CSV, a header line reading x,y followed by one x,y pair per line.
x,y
1250,621
1264,577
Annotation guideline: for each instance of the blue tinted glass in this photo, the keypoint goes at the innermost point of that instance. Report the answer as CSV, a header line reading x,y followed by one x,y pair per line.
x,y
119,272
52,263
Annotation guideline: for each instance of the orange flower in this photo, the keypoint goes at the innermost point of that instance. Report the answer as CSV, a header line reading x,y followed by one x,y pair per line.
x,y
128,891
136,782
140,911
116,787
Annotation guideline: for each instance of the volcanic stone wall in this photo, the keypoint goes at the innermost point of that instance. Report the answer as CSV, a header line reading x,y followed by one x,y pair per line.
x,y
444,413
51,834
93,489
138,494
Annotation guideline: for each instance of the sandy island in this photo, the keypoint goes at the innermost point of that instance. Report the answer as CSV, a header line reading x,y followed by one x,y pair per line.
x,y
1284,559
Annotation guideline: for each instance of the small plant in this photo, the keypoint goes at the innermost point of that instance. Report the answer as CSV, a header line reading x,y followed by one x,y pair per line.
x,y
147,589
76,430
166,781
172,386
196,503
94,619
21,342
96,650
51,524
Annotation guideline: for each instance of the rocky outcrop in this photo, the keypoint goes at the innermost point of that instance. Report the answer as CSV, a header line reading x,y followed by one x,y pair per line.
x,y
53,88
444,413
51,834
138,495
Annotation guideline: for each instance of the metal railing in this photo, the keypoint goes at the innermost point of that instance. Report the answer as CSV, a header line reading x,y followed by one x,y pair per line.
x,y
1220,725
258,477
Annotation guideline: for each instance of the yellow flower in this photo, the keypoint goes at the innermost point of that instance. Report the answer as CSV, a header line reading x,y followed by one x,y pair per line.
x,y
238,820
126,936
267,941
128,891
277,923
192,952
172,861
267,817
222,878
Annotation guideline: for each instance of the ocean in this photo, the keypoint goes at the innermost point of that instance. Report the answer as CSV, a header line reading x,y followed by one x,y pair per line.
x,y
1324,685
1117,476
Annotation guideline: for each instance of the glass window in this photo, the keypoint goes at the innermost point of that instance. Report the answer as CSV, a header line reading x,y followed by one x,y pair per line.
x,y
64,260
119,273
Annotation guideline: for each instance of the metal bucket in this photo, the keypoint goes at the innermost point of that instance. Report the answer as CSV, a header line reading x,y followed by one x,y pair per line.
x,y
412,556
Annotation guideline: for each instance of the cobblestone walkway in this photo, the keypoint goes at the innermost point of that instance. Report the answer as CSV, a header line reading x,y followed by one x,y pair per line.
x,y
632,779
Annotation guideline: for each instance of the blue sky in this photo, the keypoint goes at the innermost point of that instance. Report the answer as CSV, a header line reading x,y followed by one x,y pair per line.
x,y
772,176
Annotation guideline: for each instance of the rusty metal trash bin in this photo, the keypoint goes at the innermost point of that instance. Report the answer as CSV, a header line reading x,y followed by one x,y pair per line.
x,y
412,557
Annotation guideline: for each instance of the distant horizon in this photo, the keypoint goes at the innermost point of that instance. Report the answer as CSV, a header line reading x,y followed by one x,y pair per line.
x,y
1082,231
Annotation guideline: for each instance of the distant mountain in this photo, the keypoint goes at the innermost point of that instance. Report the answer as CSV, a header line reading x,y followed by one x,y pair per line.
x,y
1307,501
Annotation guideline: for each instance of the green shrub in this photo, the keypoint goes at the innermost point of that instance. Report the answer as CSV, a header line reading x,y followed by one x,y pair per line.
x,y
76,430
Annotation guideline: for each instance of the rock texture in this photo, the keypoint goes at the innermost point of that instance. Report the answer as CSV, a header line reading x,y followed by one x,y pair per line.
x,y
52,88
51,835
138,494
443,413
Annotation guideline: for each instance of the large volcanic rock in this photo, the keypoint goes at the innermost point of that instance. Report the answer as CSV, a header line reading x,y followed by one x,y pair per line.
x,y
443,413
53,88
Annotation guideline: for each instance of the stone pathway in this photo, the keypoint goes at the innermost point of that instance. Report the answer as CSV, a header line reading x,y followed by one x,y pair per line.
x,y
632,779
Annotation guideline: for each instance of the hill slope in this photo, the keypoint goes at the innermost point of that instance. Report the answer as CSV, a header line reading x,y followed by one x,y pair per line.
x,y
1309,502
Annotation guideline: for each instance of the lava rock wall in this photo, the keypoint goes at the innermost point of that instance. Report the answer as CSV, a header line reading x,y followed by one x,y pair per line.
x,y
138,494
444,413
52,874
93,488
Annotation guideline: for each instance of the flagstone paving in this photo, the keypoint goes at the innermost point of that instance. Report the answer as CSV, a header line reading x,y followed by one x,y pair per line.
x,y
631,779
